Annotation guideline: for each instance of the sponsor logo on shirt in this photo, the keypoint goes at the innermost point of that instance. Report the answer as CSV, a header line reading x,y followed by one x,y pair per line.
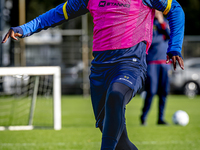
x,y
105,3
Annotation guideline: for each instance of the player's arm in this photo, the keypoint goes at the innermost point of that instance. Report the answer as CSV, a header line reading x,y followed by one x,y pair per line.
x,y
176,18
52,18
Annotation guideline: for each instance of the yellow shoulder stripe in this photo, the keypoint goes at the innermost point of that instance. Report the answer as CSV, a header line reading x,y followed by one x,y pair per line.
x,y
64,11
167,9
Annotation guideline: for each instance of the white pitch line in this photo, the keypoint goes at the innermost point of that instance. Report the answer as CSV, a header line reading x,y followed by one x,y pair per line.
x,y
45,144
30,144
95,143
163,142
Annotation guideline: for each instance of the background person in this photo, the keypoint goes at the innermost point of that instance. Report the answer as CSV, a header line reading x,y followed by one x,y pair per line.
x,y
157,81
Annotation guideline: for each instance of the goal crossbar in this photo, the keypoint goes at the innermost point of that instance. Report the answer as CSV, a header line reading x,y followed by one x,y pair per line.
x,y
43,70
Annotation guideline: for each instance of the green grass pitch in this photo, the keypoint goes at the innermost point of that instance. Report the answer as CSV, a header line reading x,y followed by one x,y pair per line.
x,y
79,133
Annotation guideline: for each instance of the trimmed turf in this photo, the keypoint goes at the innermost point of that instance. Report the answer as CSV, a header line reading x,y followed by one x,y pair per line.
x,y
79,132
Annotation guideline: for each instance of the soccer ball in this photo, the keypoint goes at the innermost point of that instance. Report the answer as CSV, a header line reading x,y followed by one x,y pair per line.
x,y
180,117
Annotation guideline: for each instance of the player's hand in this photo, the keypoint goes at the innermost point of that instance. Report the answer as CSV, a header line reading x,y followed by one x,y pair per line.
x,y
174,59
11,34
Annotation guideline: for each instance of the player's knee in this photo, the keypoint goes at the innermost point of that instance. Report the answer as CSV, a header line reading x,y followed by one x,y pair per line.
x,y
114,100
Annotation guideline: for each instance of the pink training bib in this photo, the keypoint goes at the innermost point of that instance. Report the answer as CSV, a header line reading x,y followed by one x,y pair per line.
x,y
120,24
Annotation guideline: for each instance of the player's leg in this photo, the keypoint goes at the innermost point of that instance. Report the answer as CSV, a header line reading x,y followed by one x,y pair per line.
x,y
151,87
163,92
126,66
98,92
124,142
118,96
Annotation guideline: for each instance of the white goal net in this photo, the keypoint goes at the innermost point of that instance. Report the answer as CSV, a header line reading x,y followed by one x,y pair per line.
x,y
30,97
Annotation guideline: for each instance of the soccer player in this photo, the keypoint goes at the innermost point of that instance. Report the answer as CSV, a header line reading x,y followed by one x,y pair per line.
x,y
157,81
122,36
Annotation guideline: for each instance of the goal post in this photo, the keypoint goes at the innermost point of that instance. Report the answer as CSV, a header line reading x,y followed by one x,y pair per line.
x,y
55,71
